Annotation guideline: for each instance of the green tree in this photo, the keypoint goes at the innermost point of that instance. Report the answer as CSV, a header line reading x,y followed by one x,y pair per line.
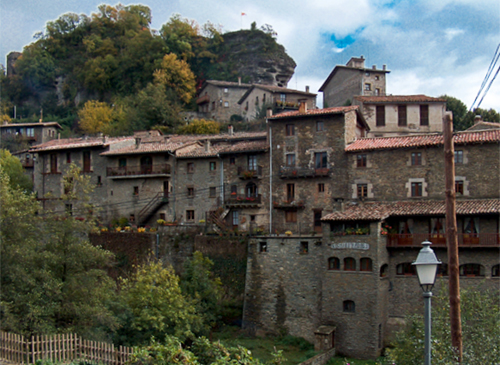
x,y
157,304
459,110
96,116
11,166
176,74
490,115
480,313
200,126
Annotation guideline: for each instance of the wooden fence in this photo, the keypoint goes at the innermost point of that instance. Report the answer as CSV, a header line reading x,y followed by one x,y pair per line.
x,y
65,348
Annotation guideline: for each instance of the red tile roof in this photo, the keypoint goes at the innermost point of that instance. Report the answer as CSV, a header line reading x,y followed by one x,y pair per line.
x,y
68,143
325,111
34,124
391,99
373,211
214,150
423,140
147,147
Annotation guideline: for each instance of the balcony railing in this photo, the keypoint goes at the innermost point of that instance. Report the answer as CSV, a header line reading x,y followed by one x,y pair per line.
x,y
203,99
245,173
287,172
243,200
130,171
289,204
439,240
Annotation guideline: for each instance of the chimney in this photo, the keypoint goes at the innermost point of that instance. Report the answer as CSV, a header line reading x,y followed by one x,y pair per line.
x,y
239,80
384,67
137,142
269,112
302,106
374,67
230,129
478,119
104,138
307,88
207,146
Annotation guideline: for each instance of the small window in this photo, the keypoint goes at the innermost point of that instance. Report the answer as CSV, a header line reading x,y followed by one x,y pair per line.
x,y
99,181
377,77
290,159
283,98
459,187
406,268
53,163
459,157
495,271
190,167
321,160
380,115
190,192
471,270
226,90
232,160
190,215
162,216
368,87
236,218
290,129
362,190
384,270
213,166
333,263
416,189
131,219
291,216
321,188
234,189
365,264
424,115
122,162
213,192
290,192
262,246
402,121
349,306
320,126
87,161
349,264
226,104
416,158
136,190
304,247
361,160
68,157
252,218
377,91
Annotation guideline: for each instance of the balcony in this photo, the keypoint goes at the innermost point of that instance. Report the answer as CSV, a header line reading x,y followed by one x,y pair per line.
x,y
289,204
464,240
250,174
203,99
130,172
243,201
287,172
27,163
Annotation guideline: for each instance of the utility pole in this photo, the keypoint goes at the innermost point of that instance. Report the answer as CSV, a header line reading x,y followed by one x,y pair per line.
x,y
451,236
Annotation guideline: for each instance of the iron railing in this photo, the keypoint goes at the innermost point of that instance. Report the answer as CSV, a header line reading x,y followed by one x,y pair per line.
x,y
158,169
288,172
464,239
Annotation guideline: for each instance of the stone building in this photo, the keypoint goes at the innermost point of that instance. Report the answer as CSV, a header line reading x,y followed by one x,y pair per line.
x,y
24,135
393,115
353,79
357,278
281,99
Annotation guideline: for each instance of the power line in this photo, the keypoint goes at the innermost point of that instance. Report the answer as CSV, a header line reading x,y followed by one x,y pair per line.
x,y
493,63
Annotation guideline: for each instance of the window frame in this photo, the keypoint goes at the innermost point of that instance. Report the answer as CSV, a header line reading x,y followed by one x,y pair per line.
x,y
320,126
361,160
290,216
190,167
290,130
402,116
416,158
334,263
190,215
380,115
212,166
366,264
320,160
458,157
349,264
348,306
321,187
424,115
362,190
290,160
417,189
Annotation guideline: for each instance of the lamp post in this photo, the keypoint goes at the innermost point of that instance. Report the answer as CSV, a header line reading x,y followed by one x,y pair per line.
x,y
426,265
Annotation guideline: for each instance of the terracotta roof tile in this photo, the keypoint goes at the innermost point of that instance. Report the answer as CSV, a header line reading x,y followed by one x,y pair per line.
x,y
399,99
67,143
214,150
423,140
379,211
34,124
325,111
147,147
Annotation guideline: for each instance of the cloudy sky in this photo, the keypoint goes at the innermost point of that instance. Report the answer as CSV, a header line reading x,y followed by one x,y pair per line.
x,y
431,47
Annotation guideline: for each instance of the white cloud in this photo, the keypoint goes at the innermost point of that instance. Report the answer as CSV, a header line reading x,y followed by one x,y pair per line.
x,y
451,33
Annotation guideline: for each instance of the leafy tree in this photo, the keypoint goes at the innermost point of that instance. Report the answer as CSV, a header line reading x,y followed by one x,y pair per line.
x,y
459,110
200,126
203,287
96,116
490,115
177,75
157,304
14,170
480,313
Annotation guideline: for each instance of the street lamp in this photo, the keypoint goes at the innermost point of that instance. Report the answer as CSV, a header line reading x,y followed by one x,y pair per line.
x,y
426,265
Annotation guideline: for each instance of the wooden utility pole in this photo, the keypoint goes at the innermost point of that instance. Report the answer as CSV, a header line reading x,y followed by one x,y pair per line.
x,y
451,236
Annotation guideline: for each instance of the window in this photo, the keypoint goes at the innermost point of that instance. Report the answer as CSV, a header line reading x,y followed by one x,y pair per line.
x,y
290,192
190,215
136,190
384,270
234,189
251,190
416,189
53,163
349,306
416,158
226,104
321,188
317,220
290,129
365,264
213,192
320,160
69,209
368,87
190,192
362,190
459,157
349,264
290,159
232,160
471,270
86,161
377,91
246,105
252,163
406,268
122,162
190,167
283,98
424,115
262,246
132,218
252,218
361,160
30,132
291,216
68,157
162,216
226,90
377,77
99,181
236,217
304,247
213,166
380,115
320,126
333,263
495,271
459,187
213,105
402,122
